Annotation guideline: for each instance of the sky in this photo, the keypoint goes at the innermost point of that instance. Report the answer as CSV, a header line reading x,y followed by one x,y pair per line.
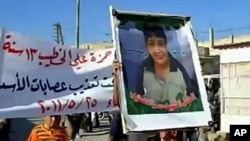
x,y
36,17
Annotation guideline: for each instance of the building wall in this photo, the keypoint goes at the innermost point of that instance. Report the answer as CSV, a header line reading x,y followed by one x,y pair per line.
x,y
235,80
212,64
228,40
236,88
96,45
222,41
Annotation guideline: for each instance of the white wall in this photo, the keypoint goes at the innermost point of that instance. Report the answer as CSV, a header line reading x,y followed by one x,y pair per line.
x,y
235,80
235,55
233,119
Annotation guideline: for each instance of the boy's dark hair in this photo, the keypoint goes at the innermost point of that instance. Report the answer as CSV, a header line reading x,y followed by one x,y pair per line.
x,y
154,30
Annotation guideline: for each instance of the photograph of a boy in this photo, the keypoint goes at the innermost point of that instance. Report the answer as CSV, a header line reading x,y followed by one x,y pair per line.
x,y
161,77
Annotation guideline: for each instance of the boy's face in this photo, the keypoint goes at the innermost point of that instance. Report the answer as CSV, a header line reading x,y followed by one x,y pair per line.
x,y
52,121
157,49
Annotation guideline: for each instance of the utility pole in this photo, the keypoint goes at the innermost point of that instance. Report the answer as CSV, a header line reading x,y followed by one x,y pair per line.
x,y
77,22
58,33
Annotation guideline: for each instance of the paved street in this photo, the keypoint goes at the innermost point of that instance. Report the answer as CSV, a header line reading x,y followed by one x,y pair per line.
x,y
99,134
22,127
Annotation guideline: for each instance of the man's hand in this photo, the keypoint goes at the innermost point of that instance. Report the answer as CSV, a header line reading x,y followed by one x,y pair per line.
x,y
115,67
115,71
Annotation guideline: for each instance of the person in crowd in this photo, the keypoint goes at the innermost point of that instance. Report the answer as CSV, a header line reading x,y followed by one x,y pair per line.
x,y
75,121
116,124
169,135
161,77
116,131
79,123
63,120
5,127
87,125
49,130
96,119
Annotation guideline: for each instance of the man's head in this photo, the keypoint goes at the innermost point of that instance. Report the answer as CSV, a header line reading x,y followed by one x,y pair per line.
x,y
52,121
156,43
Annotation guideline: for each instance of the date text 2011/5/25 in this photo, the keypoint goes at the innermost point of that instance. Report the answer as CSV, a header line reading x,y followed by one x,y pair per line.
x,y
70,104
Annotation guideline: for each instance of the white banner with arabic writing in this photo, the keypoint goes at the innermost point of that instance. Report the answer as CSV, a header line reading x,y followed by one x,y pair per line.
x,y
43,78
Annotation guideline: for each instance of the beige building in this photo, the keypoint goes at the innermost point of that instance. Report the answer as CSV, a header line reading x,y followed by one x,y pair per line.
x,y
96,45
209,56
235,88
